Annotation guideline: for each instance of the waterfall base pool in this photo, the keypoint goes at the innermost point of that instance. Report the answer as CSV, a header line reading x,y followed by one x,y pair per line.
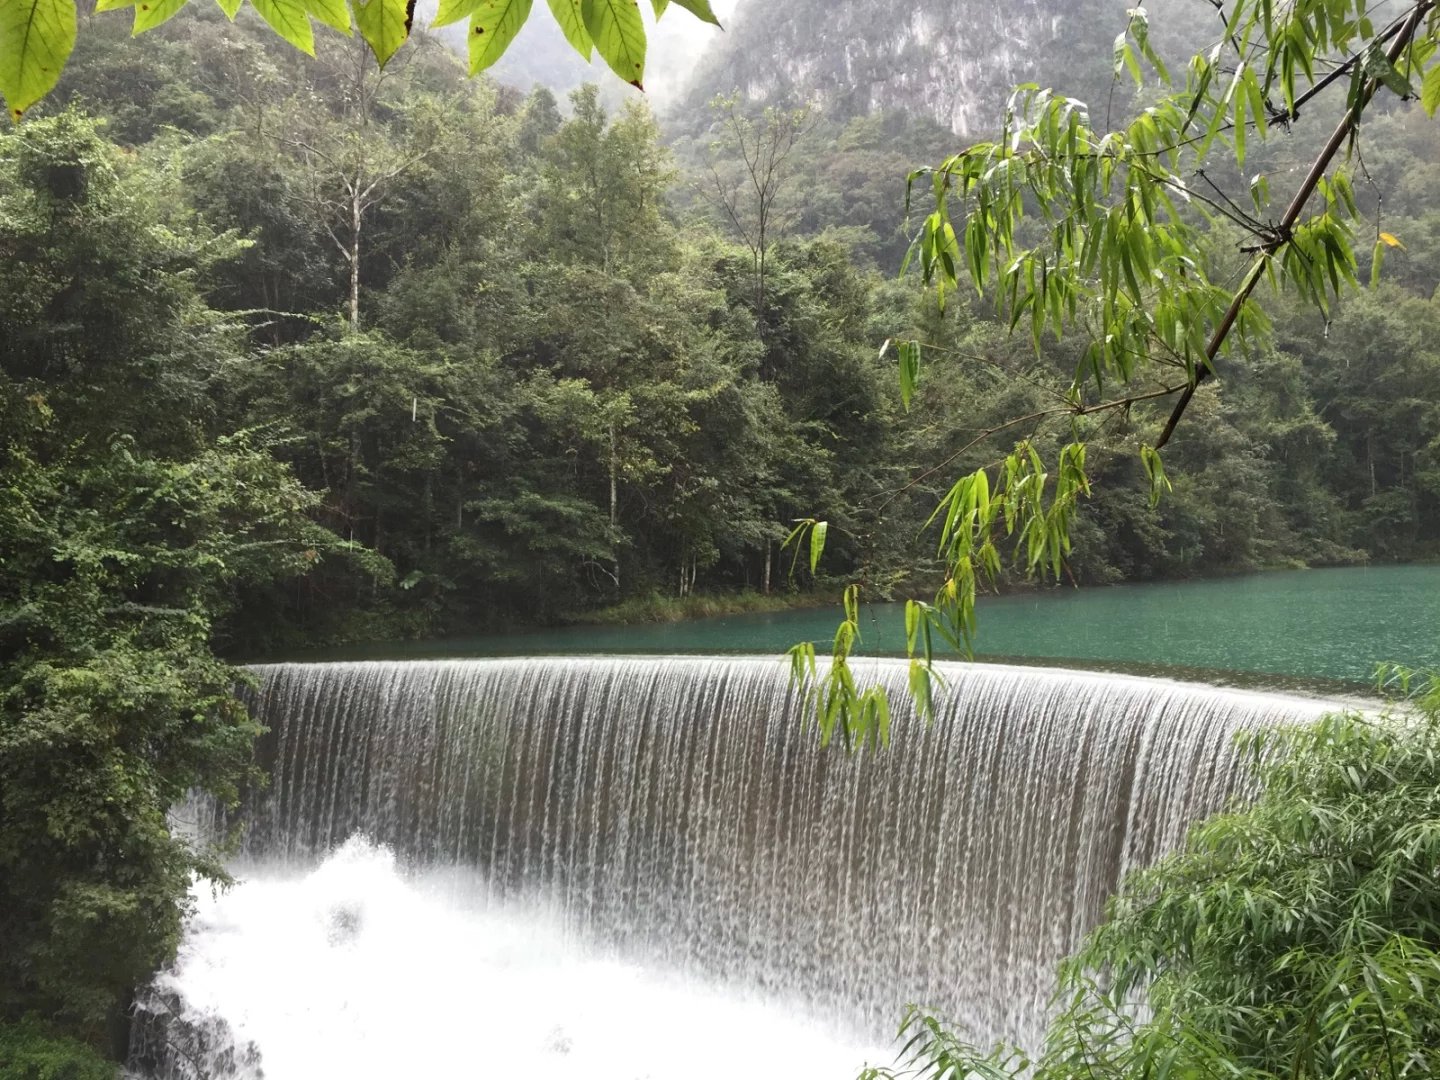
x,y
357,971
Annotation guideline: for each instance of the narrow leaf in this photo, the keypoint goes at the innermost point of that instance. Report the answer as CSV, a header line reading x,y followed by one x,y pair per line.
x,y
817,543
909,353
1378,66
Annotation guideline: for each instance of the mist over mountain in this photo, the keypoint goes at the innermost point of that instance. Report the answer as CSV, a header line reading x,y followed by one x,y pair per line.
x,y
541,56
952,61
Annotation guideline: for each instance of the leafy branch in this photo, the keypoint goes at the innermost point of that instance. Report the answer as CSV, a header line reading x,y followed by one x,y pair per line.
x,y
1121,223
37,36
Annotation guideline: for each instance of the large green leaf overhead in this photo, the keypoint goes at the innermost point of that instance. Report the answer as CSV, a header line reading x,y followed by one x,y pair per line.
x,y
618,31
35,38
290,20
151,14
701,9
332,13
493,26
567,14
384,24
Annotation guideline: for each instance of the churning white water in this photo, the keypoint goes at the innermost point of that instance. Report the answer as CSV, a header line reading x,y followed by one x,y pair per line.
x,y
593,848
356,971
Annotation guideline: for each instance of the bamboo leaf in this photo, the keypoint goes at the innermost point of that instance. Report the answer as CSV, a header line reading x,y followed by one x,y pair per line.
x,y
909,353
817,543
1378,66
1155,471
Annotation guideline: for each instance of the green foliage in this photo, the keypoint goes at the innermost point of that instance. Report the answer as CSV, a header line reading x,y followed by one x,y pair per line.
x,y
662,608
1296,936
128,527
37,36
1073,227
30,1052
582,288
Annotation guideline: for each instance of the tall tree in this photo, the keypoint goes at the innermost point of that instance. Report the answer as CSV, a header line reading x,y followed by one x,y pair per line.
x,y
751,171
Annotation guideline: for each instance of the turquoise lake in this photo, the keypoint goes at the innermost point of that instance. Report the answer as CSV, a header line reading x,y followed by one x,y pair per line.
x,y
1332,624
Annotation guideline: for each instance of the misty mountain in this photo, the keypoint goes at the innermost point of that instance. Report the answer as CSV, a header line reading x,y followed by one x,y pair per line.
x,y
541,56
953,61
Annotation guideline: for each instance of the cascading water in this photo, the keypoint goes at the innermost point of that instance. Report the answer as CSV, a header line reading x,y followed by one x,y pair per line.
x,y
668,826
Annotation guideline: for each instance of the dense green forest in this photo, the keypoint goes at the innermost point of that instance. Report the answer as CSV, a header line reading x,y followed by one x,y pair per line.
x,y
517,352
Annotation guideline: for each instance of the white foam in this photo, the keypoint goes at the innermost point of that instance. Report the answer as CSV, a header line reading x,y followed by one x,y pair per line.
x,y
356,971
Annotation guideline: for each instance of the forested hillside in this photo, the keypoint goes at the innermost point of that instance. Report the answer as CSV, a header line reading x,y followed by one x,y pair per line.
x,y
524,359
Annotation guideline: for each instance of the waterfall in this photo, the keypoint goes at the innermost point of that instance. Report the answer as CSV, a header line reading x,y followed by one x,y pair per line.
x,y
675,813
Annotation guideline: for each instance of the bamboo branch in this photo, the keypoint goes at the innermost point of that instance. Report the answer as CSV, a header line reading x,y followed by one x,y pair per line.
x,y
1283,231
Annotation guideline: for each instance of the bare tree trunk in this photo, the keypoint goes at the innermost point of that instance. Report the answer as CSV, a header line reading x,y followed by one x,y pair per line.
x,y
767,568
355,226
615,499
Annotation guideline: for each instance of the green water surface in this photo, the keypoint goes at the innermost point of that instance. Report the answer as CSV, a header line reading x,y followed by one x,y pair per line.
x,y
1334,624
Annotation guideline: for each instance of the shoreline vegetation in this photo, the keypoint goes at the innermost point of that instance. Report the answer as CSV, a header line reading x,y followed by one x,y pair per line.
x,y
657,607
